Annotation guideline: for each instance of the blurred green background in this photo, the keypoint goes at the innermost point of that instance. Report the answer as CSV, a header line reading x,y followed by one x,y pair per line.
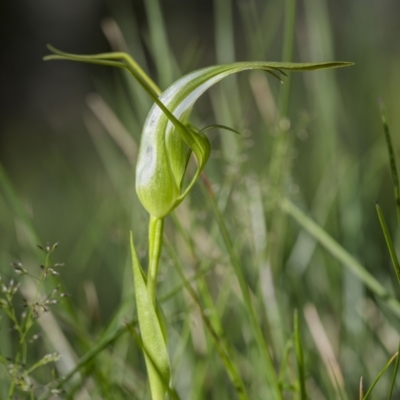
x,y
68,137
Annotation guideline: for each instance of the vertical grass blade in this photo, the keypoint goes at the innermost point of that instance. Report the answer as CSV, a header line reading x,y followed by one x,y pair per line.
x,y
299,356
396,368
287,54
389,242
226,99
159,42
379,376
7,187
392,160
361,389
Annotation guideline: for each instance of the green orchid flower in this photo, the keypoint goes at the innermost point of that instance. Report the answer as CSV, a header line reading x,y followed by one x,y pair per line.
x,y
167,143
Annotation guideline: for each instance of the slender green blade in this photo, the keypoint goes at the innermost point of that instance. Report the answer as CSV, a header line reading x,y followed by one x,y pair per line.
x,y
392,160
299,355
376,380
396,368
389,242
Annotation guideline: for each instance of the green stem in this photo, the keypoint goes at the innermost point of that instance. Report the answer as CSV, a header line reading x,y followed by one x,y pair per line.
x,y
156,228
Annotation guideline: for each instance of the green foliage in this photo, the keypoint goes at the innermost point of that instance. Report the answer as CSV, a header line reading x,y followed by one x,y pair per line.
x,y
286,218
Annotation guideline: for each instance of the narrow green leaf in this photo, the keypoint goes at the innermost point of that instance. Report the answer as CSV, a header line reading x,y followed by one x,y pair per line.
x,y
396,367
172,393
12,197
287,53
389,242
285,360
361,389
300,359
161,50
392,160
379,376
156,355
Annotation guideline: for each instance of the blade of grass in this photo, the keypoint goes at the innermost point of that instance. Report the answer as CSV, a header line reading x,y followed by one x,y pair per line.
x,y
260,25
279,167
7,187
392,160
379,376
159,43
389,241
396,367
361,389
337,251
287,54
299,355
226,99
285,360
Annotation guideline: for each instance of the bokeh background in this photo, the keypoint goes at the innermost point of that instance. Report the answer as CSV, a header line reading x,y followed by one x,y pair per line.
x,y
68,139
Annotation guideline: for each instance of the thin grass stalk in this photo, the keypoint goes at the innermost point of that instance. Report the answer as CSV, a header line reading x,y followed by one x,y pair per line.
x,y
159,42
15,203
379,376
226,100
300,358
279,165
396,368
287,54
260,25
389,242
392,160
280,144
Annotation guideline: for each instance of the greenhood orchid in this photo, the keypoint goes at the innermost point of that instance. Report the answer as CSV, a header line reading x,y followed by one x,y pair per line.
x,y
168,140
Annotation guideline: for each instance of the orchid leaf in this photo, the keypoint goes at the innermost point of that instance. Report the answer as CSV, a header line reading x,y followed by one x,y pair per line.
x,y
156,354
